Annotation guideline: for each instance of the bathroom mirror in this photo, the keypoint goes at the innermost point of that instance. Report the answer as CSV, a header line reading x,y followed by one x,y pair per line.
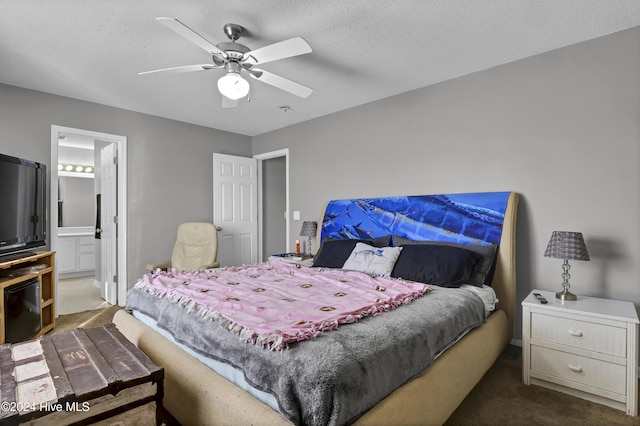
x,y
76,201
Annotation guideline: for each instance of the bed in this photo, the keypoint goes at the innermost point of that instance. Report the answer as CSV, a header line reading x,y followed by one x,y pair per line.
x,y
194,394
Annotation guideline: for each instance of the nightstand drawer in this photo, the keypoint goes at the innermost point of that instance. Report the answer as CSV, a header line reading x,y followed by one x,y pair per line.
x,y
574,368
601,338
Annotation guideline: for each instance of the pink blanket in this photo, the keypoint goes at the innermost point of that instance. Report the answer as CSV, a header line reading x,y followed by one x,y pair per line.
x,y
273,304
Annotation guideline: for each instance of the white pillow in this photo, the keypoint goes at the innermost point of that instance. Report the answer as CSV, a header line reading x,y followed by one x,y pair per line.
x,y
372,260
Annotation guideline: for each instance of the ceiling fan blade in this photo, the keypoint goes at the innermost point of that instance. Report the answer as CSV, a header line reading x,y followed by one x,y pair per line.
x,y
281,82
192,36
178,70
273,52
229,103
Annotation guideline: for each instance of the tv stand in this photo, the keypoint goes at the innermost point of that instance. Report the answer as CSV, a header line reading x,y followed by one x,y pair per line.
x,y
14,256
40,265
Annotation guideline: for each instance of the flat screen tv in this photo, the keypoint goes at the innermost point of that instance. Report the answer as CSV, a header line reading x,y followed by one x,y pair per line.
x,y
23,207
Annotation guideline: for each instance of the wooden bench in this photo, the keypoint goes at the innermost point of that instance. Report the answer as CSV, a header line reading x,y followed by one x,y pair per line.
x,y
86,376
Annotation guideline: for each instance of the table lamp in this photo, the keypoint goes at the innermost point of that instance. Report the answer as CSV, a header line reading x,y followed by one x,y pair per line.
x,y
566,245
309,229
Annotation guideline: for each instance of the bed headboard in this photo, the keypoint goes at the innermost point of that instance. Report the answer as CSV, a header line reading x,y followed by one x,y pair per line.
x,y
471,218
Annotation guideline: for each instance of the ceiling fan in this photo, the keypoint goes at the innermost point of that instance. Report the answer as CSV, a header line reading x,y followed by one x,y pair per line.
x,y
237,59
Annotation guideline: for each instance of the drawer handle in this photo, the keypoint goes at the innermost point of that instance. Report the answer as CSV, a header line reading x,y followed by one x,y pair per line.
x,y
575,333
575,368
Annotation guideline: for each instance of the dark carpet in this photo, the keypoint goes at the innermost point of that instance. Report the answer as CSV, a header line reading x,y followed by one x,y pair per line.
x,y
502,399
499,399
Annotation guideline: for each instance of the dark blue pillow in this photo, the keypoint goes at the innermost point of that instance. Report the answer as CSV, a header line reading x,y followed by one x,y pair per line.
x,y
333,253
439,265
484,269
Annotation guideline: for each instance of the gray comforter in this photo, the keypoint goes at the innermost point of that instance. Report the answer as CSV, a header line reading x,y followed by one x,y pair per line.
x,y
336,377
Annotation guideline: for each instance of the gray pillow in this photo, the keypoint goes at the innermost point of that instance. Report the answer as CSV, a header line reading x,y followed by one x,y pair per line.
x,y
484,269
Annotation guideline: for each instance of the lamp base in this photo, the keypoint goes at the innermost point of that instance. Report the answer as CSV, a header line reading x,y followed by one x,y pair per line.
x,y
566,295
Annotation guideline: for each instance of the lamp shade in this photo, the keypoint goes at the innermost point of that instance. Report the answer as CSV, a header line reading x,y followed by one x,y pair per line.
x,y
309,228
567,245
233,86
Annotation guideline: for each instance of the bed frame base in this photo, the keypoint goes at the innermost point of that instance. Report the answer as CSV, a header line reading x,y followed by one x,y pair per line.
x,y
194,394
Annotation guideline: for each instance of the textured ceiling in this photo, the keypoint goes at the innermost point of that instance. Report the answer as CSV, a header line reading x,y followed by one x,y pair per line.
x,y
363,50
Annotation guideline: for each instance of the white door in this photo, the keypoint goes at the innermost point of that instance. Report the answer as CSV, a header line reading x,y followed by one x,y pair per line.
x,y
235,209
108,222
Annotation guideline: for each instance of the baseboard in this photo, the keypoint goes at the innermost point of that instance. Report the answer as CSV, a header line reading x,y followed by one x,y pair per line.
x,y
76,274
97,283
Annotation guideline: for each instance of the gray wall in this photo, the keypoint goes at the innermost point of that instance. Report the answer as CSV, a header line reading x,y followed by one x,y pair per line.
x,y
169,162
561,128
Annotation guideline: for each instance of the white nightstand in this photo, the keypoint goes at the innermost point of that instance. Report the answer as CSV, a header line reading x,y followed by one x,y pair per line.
x,y
303,259
587,348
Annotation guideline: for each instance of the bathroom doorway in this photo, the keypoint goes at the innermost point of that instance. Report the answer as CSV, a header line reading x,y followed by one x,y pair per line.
x,y
87,265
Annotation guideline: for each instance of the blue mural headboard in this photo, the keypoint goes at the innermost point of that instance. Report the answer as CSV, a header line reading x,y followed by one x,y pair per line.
x,y
472,218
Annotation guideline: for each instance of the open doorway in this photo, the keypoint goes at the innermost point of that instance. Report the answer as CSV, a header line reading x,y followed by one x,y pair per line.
x,y
273,200
85,280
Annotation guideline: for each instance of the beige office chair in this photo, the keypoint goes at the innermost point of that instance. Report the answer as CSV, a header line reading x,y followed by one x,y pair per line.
x,y
196,247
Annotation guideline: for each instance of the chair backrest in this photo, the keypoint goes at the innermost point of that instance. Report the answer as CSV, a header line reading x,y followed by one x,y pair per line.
x,y
196,246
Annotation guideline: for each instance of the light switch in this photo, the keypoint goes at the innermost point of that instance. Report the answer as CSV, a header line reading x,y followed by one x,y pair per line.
x,y
296,215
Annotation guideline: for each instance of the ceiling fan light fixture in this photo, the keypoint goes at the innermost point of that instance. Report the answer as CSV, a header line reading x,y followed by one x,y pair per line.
x,y
233,86
237,59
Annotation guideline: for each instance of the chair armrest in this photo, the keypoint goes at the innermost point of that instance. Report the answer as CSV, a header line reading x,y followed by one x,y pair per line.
x,y
213,265
163,264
